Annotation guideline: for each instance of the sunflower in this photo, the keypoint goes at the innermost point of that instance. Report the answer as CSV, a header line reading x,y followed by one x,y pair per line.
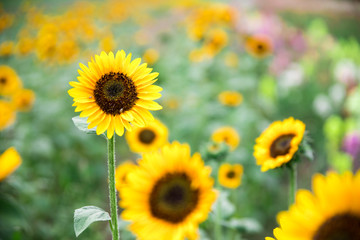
x,y
228,135
278,143
10,160
114,92
23,99
230,98
7,114
9,81
259,46
230,175
168,195
151,56
331,212
149,138
121,173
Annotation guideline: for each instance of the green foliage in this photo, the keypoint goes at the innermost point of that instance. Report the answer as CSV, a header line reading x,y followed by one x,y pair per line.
x,y
85,216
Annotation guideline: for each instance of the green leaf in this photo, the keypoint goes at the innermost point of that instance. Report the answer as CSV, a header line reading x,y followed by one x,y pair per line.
x,y
82,125
85,216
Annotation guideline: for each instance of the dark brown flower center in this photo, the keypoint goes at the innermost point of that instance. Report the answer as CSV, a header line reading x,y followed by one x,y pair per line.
x,y
231,174
3,81
147,136
340,227
172,198
281,145
115,93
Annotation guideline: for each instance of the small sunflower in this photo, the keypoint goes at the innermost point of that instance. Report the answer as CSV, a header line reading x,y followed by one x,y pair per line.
x,y
10,160
23,99
9,81
151,56
168,195
114,92
149,138
259,46
230,175
331,212
230,98
228,135
7,114
278,143
121,173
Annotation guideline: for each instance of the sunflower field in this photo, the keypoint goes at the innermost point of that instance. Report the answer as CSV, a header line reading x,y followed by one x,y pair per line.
x,y
154,120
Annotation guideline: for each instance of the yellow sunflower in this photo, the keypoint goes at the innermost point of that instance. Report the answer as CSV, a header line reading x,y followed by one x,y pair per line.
x,y
9,81
23,99
168,194
7,114
114,92
151,56
230,98
230,175
228,135
121,173
278,143
331,212
149,138
259,46
10,160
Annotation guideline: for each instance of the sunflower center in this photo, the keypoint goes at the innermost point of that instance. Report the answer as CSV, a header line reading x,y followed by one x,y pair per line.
x,y
115,93
230,174
281,145
340,227
172,198
260,47
2,80
146,136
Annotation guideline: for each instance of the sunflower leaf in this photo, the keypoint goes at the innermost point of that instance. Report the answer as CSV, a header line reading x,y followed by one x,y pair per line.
x,y
82,125
85,216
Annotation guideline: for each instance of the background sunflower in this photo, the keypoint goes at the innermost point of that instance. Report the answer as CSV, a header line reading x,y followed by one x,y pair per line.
x,y
149,138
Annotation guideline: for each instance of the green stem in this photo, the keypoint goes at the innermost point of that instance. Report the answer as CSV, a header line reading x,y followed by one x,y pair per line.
x,y
112,190
293,184
217,227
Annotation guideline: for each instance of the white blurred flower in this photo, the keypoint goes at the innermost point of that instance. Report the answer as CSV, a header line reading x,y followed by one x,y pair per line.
x,y
347,72
337,93
293,76
322,105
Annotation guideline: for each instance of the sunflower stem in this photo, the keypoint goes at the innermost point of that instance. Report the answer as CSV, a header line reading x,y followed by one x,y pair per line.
x,y
293,183
112,190
217,227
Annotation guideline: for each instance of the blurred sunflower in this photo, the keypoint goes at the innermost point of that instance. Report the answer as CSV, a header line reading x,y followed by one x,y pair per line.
x,y
6,48
121,173
331,212
114,92
259,46
10,160
25,45
23,100
9,81
7,114
215,41
230,98
168,195
230,175
278,143
149,138
231,60
151,56
228,135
